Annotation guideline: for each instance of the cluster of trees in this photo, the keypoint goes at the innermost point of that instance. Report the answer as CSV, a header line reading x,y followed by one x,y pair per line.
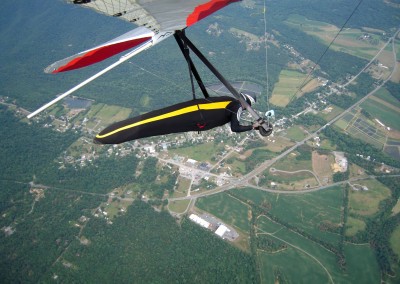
x,y
144,246
269,244
28,150
43,229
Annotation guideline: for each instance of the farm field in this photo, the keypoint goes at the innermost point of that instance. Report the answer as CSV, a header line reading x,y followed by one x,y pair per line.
x,y
100,115
290,181
330,112
351,41
301,255
291,164
366,202
201,152
296,133
226,208
387,115
321,164
317,213
286,87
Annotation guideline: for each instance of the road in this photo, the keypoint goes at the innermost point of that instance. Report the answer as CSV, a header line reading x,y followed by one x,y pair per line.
x,y
244,181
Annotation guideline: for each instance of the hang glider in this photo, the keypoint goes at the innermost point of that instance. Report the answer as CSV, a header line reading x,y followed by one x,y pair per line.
x,y
157,20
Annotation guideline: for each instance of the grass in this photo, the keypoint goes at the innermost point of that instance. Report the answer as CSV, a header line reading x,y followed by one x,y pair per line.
x,y
226,208
286,87
384,94
291,164
353,226
178,206
386,115
333,111
201,152
291,181
395,240
342,124
296,133
183,187
309,211
366,203
361,264
322,165
279,145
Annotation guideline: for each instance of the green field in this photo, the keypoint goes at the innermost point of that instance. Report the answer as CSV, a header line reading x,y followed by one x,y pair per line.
x,y
290,181
384,94
291,164
287,86
178,206
296,133
386,115
353,226
332,113
317,213
348,41
226,208
395,240
304,261
361,264
202,152
366,202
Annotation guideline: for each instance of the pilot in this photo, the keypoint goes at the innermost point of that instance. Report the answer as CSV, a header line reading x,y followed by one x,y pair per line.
x,y
193,115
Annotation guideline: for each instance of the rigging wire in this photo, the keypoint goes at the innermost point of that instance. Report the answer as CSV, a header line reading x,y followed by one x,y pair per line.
x,y
325,51
266,54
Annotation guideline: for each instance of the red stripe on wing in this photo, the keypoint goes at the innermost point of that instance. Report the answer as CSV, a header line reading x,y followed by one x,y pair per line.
x,y
206,9
99,54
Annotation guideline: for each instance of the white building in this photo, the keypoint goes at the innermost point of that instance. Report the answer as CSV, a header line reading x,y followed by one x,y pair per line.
x,y
199,221
222,230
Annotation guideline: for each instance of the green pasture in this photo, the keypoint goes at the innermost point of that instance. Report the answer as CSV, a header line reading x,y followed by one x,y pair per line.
x,y
296,133
291,181
342,124
366,202
361,264
385,95
201,152
237,165
395,240
328,116
178,206
183,187
291,164
288,84
268,226
353,226
311,212
386,115
228,209
290,266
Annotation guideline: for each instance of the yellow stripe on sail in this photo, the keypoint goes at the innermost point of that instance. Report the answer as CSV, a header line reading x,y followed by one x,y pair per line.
x,y
210,106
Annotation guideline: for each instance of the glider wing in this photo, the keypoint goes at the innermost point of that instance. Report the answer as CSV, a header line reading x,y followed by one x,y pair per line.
x,y
124,42
157,15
